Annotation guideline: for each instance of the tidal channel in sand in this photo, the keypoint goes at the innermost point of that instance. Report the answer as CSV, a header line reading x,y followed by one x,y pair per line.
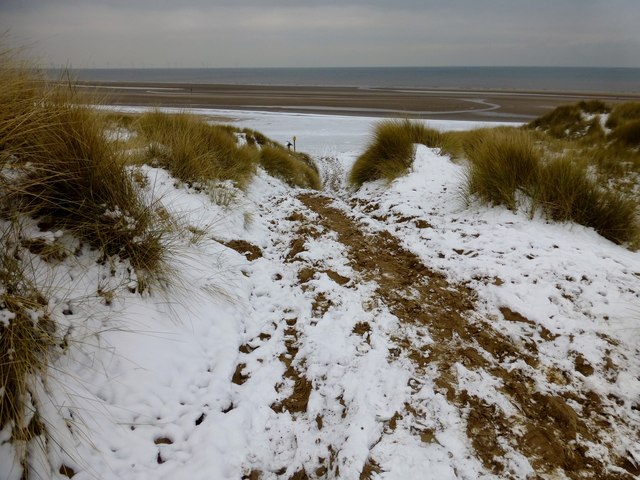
x,y
449,104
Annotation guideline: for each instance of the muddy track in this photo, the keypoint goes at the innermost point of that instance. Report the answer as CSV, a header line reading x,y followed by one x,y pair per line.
x,y
445,340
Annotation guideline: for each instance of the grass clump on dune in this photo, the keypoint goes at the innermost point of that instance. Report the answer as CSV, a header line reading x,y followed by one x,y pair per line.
x,y
580,120
559,177
27,334
565,192
391,150
627,134
71,177
57,169
462,144
194,151
26,331
502,162
295,169
622,113
614,154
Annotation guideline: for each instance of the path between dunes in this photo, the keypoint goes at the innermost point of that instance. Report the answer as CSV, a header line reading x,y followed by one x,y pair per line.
x,y
446,391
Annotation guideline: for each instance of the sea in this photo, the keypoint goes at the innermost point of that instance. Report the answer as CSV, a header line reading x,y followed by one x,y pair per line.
x,y
566,79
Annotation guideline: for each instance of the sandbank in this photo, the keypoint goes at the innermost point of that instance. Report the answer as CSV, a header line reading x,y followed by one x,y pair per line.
x,y
446,104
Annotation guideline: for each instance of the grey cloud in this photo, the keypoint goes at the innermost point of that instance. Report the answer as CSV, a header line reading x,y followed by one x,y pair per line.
x,y
331,32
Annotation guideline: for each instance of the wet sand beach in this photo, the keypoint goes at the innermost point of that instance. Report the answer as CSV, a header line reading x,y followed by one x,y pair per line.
x,y
450,104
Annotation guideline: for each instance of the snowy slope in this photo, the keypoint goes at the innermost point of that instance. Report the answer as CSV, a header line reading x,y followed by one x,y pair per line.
x,y
297,360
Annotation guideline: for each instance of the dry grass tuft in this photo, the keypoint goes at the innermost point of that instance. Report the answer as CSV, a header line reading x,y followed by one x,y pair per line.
x,y
391,150
594,106
71,177
119,119
502,162
627,134
554,175
462,144
565,192
198,153
580,120
610,161
256,138
57,167
194,151
622,113
295,169
26,336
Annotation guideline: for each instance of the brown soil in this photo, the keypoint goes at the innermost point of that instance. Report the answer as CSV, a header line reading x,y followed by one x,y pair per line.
x,y
67,471
361,328
298,400
296,247
369,469
583,366
545,429
321,305
512,316
163,441
238,377
307,273
249,250
339,279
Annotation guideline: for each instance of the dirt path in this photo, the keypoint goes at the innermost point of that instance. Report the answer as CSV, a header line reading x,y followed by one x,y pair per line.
x,y
488,380
542,427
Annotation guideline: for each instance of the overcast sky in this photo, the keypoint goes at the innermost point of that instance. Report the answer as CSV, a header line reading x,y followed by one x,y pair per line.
x,y
283,33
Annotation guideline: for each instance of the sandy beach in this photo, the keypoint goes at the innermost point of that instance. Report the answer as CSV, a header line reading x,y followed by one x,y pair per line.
x,y
488,105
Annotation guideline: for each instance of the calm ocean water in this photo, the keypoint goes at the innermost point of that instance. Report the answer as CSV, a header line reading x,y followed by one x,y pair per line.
x,y
604,80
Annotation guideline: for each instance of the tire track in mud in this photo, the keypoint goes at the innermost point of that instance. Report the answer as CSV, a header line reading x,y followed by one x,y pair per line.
x,y
542,427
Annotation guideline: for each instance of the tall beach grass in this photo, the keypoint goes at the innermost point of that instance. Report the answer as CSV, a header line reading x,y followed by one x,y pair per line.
x,y
197,152
295,169
502,162
390,152
58,169
566,177
194,151
566,192
564,164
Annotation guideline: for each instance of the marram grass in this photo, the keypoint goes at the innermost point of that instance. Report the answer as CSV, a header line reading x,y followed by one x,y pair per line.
x,y
508,164
502,162
196,152
57,167
73,178
565,192
27,335
391,150
292,168
622,113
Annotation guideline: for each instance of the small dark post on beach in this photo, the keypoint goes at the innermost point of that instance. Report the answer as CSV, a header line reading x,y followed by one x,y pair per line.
x,y
294,143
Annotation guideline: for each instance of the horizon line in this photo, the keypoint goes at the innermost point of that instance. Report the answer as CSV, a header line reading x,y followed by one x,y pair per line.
x,y
67,67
